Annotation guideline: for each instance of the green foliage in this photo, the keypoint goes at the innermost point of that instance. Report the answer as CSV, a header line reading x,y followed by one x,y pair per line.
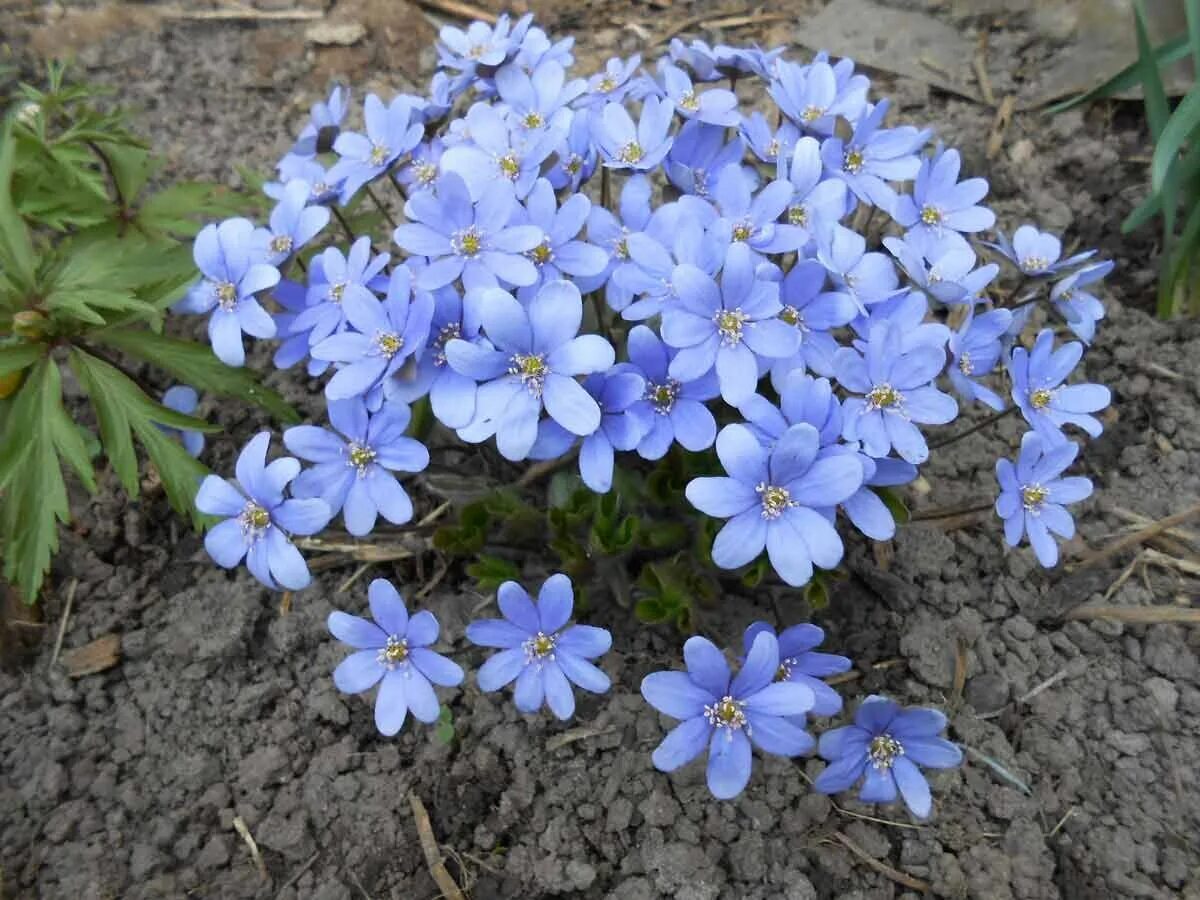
x,y
1175,167
91,257
443,732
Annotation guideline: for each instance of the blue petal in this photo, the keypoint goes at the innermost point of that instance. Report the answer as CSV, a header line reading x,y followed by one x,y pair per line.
x,y
391,704
418,692
729,762
676,694
841,774
287,565
580,672
496,633
721,497
783,698
878,787
437,668
422,629
586,641
759,670
570,405
772,734
741,539
555,601
559,696
933,752
517,607
682,744
226,543
355,631
913,787
358,672
500,669
707,666
530,690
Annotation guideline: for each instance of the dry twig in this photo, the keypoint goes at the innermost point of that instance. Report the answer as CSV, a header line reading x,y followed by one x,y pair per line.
x,y
62,626
459,10
241,13
722,22
1138,538
433,854
1000,123
239,825
881,867
1137,615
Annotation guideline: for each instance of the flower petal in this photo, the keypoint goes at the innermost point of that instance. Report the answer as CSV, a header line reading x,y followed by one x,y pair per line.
x,y
729,763
437,668
682,744
355,631
391,704
706,666
358,672
500,669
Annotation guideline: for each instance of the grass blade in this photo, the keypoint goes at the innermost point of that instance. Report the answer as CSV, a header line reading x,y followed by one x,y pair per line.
x,y
1193,22
1157,109
1181,126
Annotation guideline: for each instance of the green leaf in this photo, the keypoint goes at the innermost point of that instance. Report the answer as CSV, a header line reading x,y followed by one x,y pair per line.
x,y
35,493
196,365
1180,127
1131,76
123,409
181,209
492,571
16,247
130,166
895,504
1173,277
1157,109
1192,8
15,357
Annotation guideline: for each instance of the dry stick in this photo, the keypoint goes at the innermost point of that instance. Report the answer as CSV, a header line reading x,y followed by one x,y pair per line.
x,y
978,426
337,214
985,83
379,203
433,855
233,13
1138,537
723,22
239,825
1171,562
62,627
1138,615
1136,518
935,515
299,873
882,868
1000,123
459,9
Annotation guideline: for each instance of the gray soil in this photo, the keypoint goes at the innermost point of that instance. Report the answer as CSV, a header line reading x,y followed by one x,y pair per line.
x,y
1083,734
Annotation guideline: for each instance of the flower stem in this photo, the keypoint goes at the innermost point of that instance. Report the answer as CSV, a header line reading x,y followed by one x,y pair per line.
x,y
605,187
391,174
381,205
337,214
978,426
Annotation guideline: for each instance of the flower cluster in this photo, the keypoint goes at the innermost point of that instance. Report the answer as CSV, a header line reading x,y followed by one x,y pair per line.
x,y
613,264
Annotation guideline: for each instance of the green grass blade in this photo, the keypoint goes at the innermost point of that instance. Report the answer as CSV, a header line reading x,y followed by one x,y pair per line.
x,y
1176,265
1180,127
1193,22
1157,109
1129,77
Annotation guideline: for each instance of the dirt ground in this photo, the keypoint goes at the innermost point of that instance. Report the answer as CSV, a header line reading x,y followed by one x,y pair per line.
x,y
1082,733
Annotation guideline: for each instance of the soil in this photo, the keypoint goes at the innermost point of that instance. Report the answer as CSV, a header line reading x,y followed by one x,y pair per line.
x,y
221,715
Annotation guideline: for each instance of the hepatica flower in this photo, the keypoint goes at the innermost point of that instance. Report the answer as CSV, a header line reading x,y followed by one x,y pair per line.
x,y
610,84
817,202
887,744
730,327
293,223
699,154
673,411
874,156
639,147
771,498
394,653
536,351
813,312
494,152
1037,253
746,217
940,201
325,118
728,714
897,394
392,131
1038,390
974,350
801,663
233,275
258,520
812,97
384,336
184,399
714,106
332,278
537,649
1033,495
1077,304
866,278
355,462
559,252
473,240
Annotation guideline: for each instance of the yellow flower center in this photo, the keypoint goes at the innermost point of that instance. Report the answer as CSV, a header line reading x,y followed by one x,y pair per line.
x,y
541,254
784,672
607,85
965,365
539,647
791,316
725,713
662,396
379,154
883,751
811,113
1033,496
798,215
337,291
389,343
1040,398
931,215
227,294
742,231
468,242
394,652
426,173
254,517
532,371
772,150
884,396
361,456
690,101
1033,263
853,161
774,500
510,166
729,324
631,153
281,243
533,120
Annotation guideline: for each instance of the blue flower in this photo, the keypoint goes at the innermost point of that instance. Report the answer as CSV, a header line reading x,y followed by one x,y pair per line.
x,y
951,276
800,663
770,145
258,520
899,394
559,251
670,239
535,353
384,336
771,499
730,327
321,189
451,395
354,463
332,278
539,99
495,153
1045,402
610,84
292,298
888,744
184,399
814,313
293,223
479,45
715,106
864,277
817,202
874,156
577,156
675,411
474,240
1037,253
421,172
727,714
621,427
392,131
233,275
393,652
975,349
321,129
612,235
749,218
538,651
639,147
697,56
699,155
1033,495
812,97
1080,308
939,201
